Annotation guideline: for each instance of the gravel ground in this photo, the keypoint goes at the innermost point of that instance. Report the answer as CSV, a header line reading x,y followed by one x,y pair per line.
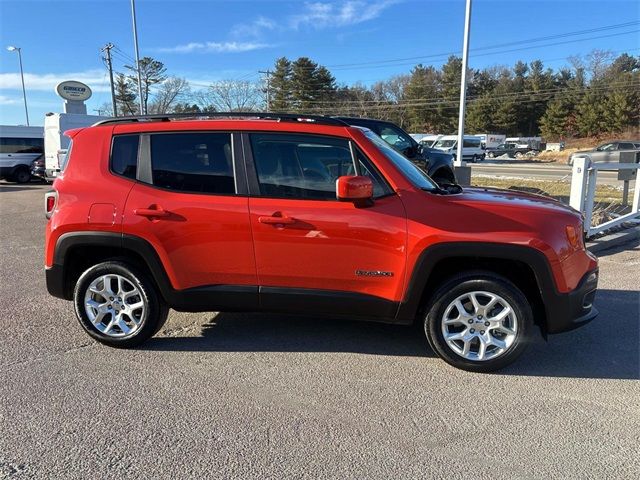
x,y
271,396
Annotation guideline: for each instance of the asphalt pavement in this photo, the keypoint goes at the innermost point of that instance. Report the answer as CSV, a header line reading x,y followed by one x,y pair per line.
x,y
272,396
532,170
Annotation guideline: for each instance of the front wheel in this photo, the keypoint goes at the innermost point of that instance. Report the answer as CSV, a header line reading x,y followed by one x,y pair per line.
x,y
118,305
478,321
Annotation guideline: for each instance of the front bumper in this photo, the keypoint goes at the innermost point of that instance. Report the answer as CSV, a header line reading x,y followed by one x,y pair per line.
x,y
574,309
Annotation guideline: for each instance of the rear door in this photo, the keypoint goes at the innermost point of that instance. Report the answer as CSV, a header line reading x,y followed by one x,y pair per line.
x,y
313,251
192,207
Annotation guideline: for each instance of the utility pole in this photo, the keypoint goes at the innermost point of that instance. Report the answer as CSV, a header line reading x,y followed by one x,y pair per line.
x,y
135,45
268,74
463,83
107,49
459,163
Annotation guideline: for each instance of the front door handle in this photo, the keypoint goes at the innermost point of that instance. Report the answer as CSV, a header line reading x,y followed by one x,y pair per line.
x,y
157,212
277,220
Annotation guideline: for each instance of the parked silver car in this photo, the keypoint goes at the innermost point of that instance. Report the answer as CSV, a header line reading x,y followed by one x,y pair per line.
x,y
608,152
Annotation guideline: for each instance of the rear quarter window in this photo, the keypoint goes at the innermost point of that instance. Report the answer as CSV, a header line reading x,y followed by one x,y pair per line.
x,y
124,155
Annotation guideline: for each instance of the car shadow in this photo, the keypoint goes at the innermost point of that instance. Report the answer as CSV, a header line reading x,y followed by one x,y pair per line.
x,y
608,347
270,332
18,187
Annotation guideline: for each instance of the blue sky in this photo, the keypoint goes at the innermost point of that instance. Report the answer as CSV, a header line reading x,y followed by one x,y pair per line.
x,y
205,41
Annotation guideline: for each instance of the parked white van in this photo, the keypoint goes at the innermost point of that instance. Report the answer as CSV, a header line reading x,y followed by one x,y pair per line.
x,y
19,146
471,147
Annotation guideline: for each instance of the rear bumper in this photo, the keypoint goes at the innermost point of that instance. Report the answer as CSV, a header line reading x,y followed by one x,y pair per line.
x,y
55,281
574,309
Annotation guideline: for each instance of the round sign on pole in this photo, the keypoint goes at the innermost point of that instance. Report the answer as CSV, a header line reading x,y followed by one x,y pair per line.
x,y
72,90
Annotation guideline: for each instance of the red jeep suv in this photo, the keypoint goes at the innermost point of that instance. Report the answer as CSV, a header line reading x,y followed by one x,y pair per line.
x,y
303,214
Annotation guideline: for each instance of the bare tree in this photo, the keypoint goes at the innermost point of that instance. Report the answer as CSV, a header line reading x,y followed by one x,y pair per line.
x,y
170,93
229,96
598,61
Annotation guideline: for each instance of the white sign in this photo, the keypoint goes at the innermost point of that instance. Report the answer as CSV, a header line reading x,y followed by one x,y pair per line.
x,y
72,90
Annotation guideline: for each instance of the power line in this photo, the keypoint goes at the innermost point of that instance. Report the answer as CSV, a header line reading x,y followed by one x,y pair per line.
x,y
498,45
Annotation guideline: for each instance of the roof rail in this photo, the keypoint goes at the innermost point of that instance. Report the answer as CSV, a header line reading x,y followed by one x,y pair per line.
x,y
280,117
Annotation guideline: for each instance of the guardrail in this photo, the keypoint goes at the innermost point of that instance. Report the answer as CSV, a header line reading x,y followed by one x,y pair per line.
x,y
583,189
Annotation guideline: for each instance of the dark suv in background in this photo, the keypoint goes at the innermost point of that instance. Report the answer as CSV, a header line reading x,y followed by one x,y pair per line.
x,y
437,164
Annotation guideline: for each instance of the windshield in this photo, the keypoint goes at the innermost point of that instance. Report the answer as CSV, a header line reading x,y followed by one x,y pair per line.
x,y
409,170
445,143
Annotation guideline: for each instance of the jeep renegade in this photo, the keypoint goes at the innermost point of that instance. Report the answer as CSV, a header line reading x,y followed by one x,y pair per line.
x,y
303,214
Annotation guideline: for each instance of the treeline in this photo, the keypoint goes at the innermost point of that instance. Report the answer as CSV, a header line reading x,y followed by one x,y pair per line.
x,y
599,94
595,95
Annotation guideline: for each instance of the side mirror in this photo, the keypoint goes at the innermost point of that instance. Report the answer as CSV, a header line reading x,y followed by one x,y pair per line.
x,y
410,152
358,190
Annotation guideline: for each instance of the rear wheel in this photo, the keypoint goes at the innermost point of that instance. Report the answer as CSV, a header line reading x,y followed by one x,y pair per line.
x,y
478,321
519,155
118,305
21,175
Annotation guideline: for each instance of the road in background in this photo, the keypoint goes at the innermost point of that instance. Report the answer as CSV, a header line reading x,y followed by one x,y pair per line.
x,y
538,171
273,396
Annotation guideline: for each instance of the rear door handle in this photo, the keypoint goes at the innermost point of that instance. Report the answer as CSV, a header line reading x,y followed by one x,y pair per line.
x,y
158,212
275,220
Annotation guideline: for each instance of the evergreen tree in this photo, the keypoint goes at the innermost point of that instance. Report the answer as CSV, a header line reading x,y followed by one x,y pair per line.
x,y
589,120
421,89
312,86
554,124
280,86
447,111
125,96
480,114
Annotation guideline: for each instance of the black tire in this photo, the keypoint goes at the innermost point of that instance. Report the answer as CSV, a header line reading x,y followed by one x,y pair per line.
x,y
519,155
469,282
491,155
151,321
21,175
474,159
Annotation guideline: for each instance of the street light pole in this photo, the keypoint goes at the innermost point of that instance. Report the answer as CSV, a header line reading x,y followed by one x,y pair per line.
x,y
11,48
463,84
135,45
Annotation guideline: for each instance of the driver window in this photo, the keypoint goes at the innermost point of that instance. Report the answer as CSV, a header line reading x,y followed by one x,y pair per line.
x,y
300,166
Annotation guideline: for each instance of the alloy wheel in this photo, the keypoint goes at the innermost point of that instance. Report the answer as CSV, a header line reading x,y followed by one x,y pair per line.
x,y
114,305
479,326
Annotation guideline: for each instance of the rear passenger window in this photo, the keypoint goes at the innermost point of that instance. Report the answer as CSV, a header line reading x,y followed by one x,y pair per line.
x,y
193,162
124,155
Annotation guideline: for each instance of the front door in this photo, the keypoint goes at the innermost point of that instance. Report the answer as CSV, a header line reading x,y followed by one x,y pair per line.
x,y
312,249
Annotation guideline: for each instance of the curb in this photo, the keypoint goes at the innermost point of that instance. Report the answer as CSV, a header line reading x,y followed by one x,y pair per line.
x,y
614,240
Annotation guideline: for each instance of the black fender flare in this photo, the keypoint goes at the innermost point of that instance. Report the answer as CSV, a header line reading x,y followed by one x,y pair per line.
x,y
193,299
429,258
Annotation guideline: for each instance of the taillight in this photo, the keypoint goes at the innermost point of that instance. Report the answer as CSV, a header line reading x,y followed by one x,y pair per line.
x,y
50,201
